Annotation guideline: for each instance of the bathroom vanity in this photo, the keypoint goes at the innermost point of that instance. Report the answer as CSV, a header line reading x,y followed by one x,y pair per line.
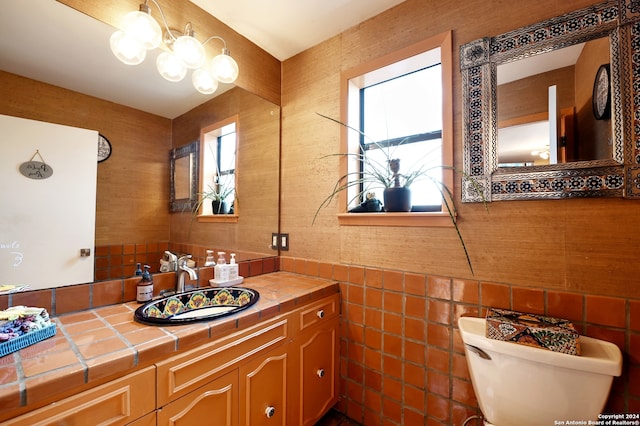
x,y
275,363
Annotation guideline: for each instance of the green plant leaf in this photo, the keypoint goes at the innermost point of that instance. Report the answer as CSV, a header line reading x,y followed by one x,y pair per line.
x,y
381,174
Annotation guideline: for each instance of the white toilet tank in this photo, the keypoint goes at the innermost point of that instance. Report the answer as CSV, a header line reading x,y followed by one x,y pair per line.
x,y
522,385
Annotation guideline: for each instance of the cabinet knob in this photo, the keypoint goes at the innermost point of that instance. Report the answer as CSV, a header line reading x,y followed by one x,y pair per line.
x,y
320,372
320,313
270,412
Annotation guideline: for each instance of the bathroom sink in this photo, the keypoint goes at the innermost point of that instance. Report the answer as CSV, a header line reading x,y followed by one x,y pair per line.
x,y
202,304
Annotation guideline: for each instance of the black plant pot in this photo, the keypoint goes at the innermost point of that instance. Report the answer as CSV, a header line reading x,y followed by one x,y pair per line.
x,y
397,199
219,207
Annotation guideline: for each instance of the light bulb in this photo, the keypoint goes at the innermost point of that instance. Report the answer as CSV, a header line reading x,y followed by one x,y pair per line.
x,y
224,67
142,27
190,51
171,67
204,82
126,48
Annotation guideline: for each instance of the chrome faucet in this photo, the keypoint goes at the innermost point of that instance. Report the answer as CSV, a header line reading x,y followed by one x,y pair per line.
x,y
182,270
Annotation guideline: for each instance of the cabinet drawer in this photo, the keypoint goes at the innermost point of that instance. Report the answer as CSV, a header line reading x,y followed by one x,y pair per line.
x,y
319,312
115,403
179,375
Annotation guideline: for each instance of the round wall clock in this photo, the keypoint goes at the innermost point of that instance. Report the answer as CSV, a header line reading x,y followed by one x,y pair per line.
x,y
104,148
601,97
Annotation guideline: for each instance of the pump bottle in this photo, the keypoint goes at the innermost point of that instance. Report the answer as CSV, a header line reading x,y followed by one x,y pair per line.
x,y
221,270
233,268
144,289
209,261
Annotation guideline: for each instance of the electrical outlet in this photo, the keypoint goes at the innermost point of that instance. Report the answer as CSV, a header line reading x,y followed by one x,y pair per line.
x,y
274,241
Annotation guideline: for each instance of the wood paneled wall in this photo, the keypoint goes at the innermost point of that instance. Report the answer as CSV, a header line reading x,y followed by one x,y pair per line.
x,y
585,245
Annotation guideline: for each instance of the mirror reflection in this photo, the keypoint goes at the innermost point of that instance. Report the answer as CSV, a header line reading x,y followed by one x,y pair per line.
x,y
182,177
133,222
184,165
545,107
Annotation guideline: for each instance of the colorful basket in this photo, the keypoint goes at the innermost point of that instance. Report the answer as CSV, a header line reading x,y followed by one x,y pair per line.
x,y
28,339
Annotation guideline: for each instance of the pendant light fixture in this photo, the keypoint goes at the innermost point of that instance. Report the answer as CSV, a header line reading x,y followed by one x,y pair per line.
x,y
141,32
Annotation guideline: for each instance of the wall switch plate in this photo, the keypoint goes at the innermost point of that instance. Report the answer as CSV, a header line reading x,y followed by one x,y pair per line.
x,y
279,241
284,242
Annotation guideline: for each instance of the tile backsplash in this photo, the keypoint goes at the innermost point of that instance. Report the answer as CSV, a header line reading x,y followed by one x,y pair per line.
x,y
62,300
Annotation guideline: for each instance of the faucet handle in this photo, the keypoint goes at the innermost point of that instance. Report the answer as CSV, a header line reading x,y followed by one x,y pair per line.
x,y
182,260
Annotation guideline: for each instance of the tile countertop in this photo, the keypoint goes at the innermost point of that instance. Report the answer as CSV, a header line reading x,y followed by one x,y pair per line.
x,y
93,346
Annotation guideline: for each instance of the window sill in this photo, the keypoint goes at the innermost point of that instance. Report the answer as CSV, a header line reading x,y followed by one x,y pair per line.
x,y
218,218
438,219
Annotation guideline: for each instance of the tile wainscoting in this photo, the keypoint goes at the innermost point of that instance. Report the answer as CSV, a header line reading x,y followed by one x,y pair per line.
x,y
402,359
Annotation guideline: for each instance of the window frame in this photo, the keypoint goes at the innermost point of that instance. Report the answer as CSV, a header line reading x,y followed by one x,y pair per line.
x,y
227,218
352,81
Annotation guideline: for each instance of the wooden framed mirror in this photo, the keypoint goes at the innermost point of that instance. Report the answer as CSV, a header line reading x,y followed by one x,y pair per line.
x,y
184,177
577,172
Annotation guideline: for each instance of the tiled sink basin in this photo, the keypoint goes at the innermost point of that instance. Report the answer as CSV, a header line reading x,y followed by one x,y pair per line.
x,y
203,304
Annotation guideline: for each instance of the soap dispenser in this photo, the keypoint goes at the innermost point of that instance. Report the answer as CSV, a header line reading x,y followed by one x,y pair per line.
x,y
221,270
209,261
233,268
144,289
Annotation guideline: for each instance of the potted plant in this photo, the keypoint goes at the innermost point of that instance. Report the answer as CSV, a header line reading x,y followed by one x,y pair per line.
x,y
386,174
218,194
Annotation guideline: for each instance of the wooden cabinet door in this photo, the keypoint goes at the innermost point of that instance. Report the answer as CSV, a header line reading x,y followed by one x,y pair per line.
x,y
263,390
318,365
115,403
215,403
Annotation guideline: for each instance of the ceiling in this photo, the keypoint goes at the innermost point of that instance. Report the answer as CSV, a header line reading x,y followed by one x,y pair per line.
x,y
285,28
47,41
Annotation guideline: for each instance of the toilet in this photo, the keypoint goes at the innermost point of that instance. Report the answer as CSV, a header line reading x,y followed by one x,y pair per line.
x,y
519,385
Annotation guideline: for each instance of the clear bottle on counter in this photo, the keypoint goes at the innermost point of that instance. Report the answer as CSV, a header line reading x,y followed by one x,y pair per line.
x,y
221,270
233,268
209,261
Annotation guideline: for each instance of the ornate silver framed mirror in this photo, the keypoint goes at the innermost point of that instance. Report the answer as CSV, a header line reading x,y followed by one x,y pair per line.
x,y
587,155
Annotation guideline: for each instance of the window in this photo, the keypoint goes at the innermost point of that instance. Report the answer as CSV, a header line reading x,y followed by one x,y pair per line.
x,y
218,153
403,116
403,103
